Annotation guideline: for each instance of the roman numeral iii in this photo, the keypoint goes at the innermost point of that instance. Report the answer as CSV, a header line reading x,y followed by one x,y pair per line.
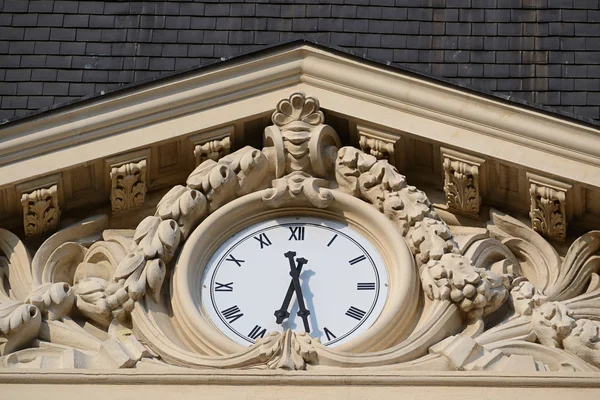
x,y
297,233
365,286
355,313
263,239
223,287
357,259
256,332
232,314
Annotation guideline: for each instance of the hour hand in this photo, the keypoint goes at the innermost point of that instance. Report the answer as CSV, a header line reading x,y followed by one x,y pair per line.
x,y
282,313
295,274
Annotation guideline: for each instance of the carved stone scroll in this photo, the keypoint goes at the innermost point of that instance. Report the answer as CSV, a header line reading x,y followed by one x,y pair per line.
x,y
212,145
128,185
41,212
380,144
461,181
547,207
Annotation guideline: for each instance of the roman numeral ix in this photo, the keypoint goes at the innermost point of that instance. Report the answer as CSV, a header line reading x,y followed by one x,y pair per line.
x,y
357,259
297,233
232,314
365,286
223,287
256,332
355,313
263,239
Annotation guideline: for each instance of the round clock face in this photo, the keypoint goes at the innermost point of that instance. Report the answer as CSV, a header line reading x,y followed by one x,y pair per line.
x,y
301,273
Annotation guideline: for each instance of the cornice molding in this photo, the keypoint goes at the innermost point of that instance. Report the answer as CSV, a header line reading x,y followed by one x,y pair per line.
x,y
179,106
469,379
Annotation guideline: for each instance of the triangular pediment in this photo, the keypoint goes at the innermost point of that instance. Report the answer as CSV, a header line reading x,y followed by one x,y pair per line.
x,y
418,114
247,86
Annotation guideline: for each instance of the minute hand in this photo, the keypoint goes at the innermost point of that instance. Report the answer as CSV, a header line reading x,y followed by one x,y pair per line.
x,y
295,274
282,313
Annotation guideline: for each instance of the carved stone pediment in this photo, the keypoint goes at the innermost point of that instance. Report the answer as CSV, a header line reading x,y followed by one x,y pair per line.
x,y
498,298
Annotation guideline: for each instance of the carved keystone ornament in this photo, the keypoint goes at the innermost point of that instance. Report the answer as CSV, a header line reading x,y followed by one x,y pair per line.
x,y
300,255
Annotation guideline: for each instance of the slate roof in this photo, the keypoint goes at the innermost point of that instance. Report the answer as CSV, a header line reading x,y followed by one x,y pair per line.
x,y
541,51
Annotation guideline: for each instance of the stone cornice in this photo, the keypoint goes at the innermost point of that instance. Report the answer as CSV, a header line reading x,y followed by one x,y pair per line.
x,y
164,376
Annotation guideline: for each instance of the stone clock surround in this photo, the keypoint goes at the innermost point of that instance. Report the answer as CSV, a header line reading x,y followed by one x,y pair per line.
x,y
245,211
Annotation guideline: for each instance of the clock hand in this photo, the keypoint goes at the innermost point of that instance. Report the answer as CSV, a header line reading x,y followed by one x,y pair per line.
x,y
295,274
282,313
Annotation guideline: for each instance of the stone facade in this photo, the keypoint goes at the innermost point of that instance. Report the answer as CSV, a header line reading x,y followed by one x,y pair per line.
x,y
474,297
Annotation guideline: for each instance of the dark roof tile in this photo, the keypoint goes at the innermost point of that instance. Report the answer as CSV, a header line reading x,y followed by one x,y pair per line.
x,y
530,49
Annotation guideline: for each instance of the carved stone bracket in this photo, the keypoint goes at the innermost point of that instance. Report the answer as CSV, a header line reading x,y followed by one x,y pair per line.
x,y
41,212
212,145
461,181
548,206
128,185
378,143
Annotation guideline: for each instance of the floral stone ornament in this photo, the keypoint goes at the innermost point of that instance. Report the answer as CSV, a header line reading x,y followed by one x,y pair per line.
x,y
469,301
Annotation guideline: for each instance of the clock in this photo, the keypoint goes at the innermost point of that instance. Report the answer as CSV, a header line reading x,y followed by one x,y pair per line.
x,y
343,273
301,273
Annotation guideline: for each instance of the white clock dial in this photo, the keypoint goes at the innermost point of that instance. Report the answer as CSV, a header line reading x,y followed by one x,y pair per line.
x,y
248,289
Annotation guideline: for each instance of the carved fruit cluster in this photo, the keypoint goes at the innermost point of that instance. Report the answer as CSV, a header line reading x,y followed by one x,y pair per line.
x,y
476,291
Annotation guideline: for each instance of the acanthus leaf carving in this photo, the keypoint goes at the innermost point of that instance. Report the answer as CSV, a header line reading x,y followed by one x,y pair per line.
x,y
547,208
184,205
287,350
41,212
54,300
461,181
128,185
19,325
